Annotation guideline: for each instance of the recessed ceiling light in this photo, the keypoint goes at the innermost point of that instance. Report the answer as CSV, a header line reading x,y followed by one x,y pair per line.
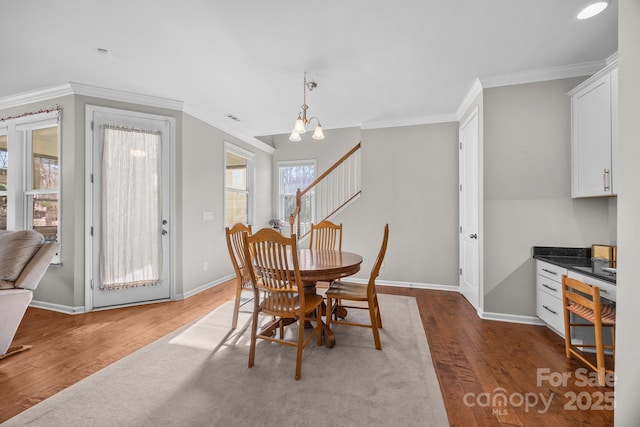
x,y
593,9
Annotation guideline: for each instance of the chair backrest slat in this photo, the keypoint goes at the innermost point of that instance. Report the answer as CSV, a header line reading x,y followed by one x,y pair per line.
x,y
276,272
375,271
577,292
326,235
235,245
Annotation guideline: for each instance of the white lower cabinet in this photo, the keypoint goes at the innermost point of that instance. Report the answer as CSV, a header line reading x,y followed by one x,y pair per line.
x,y
549,295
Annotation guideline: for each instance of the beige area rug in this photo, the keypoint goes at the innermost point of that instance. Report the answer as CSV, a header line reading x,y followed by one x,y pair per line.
x,y
191,378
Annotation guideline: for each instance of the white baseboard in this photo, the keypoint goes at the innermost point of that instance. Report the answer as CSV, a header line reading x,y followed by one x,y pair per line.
x,y
204,287
57,307
430,286
511,318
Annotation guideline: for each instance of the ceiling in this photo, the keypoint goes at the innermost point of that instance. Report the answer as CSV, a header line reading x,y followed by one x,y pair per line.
x,y
374,61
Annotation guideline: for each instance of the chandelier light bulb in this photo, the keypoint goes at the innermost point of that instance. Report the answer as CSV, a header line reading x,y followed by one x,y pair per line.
x,y
318,134
299,126
295,136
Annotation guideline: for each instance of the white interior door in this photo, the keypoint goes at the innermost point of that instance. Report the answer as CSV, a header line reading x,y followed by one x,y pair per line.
x,y
128,207
468,167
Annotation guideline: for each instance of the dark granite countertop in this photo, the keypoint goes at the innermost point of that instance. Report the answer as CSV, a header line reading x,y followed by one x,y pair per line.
x,y
575,259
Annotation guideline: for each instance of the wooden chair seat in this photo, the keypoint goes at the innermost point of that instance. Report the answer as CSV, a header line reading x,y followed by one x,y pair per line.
x,y
270,305
348,290
608,313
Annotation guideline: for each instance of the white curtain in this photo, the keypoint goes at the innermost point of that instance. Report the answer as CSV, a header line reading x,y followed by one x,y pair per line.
x,y
130,237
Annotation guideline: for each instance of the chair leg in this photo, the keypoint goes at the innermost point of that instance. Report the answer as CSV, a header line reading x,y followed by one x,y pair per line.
x,y
375,298
236,307
599,353
567,331
329,312
374,315
319,328
254,330
299,348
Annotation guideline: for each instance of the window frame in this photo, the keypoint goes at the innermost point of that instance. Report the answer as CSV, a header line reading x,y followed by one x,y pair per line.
x,y
20,191
251,173
282,195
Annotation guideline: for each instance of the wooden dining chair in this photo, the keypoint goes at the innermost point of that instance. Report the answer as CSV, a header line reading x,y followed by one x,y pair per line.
x,y
326,235
584,301
278,291
340,291
235,244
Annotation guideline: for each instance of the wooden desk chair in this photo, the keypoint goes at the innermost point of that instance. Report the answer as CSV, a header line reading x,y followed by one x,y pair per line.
x,y
326,235
341,291
584,301
235,244
282,291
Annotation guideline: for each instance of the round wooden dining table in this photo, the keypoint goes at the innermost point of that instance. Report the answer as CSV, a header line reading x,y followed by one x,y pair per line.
x,y
322,265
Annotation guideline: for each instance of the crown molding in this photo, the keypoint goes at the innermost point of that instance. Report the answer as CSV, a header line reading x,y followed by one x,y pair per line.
x,y
36,96
200,115
414,121
543,74
469,98
72,88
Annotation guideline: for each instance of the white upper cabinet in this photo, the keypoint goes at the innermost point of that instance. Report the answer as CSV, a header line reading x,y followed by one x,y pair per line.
x,y
594,123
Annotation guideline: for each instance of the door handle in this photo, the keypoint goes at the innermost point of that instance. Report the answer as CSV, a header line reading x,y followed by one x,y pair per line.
x,y
164,232
473,236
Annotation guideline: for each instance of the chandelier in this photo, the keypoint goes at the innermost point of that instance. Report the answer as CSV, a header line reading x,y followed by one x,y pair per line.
x,y
302,121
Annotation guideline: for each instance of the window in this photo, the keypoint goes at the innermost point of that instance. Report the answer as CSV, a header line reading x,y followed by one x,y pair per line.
x,y
30,174
239,173
3,181
294,176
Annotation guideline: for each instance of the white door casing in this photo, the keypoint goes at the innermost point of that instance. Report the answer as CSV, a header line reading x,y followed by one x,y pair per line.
x,y
95,118
469,209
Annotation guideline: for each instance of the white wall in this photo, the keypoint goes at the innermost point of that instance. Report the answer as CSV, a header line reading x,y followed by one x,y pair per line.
x,y
627,412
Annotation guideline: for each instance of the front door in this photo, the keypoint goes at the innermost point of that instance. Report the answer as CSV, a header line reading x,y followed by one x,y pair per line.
x,y
468,169
128,204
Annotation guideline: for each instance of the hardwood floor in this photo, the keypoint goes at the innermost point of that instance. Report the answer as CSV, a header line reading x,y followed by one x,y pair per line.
x,y
476,361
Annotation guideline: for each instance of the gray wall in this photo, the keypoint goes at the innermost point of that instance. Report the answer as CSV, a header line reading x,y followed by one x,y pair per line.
x,y
409,180
627,410
527,190
202,189
199,167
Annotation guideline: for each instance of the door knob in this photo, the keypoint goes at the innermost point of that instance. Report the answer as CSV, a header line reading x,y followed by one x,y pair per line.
x,y
164,232
473,236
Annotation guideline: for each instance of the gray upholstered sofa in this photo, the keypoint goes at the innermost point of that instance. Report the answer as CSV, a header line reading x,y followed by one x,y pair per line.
x,y
24,258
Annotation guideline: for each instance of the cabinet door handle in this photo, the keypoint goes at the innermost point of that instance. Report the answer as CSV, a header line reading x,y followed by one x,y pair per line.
x,y
549,271
603,291
605,179
549,287
548,309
